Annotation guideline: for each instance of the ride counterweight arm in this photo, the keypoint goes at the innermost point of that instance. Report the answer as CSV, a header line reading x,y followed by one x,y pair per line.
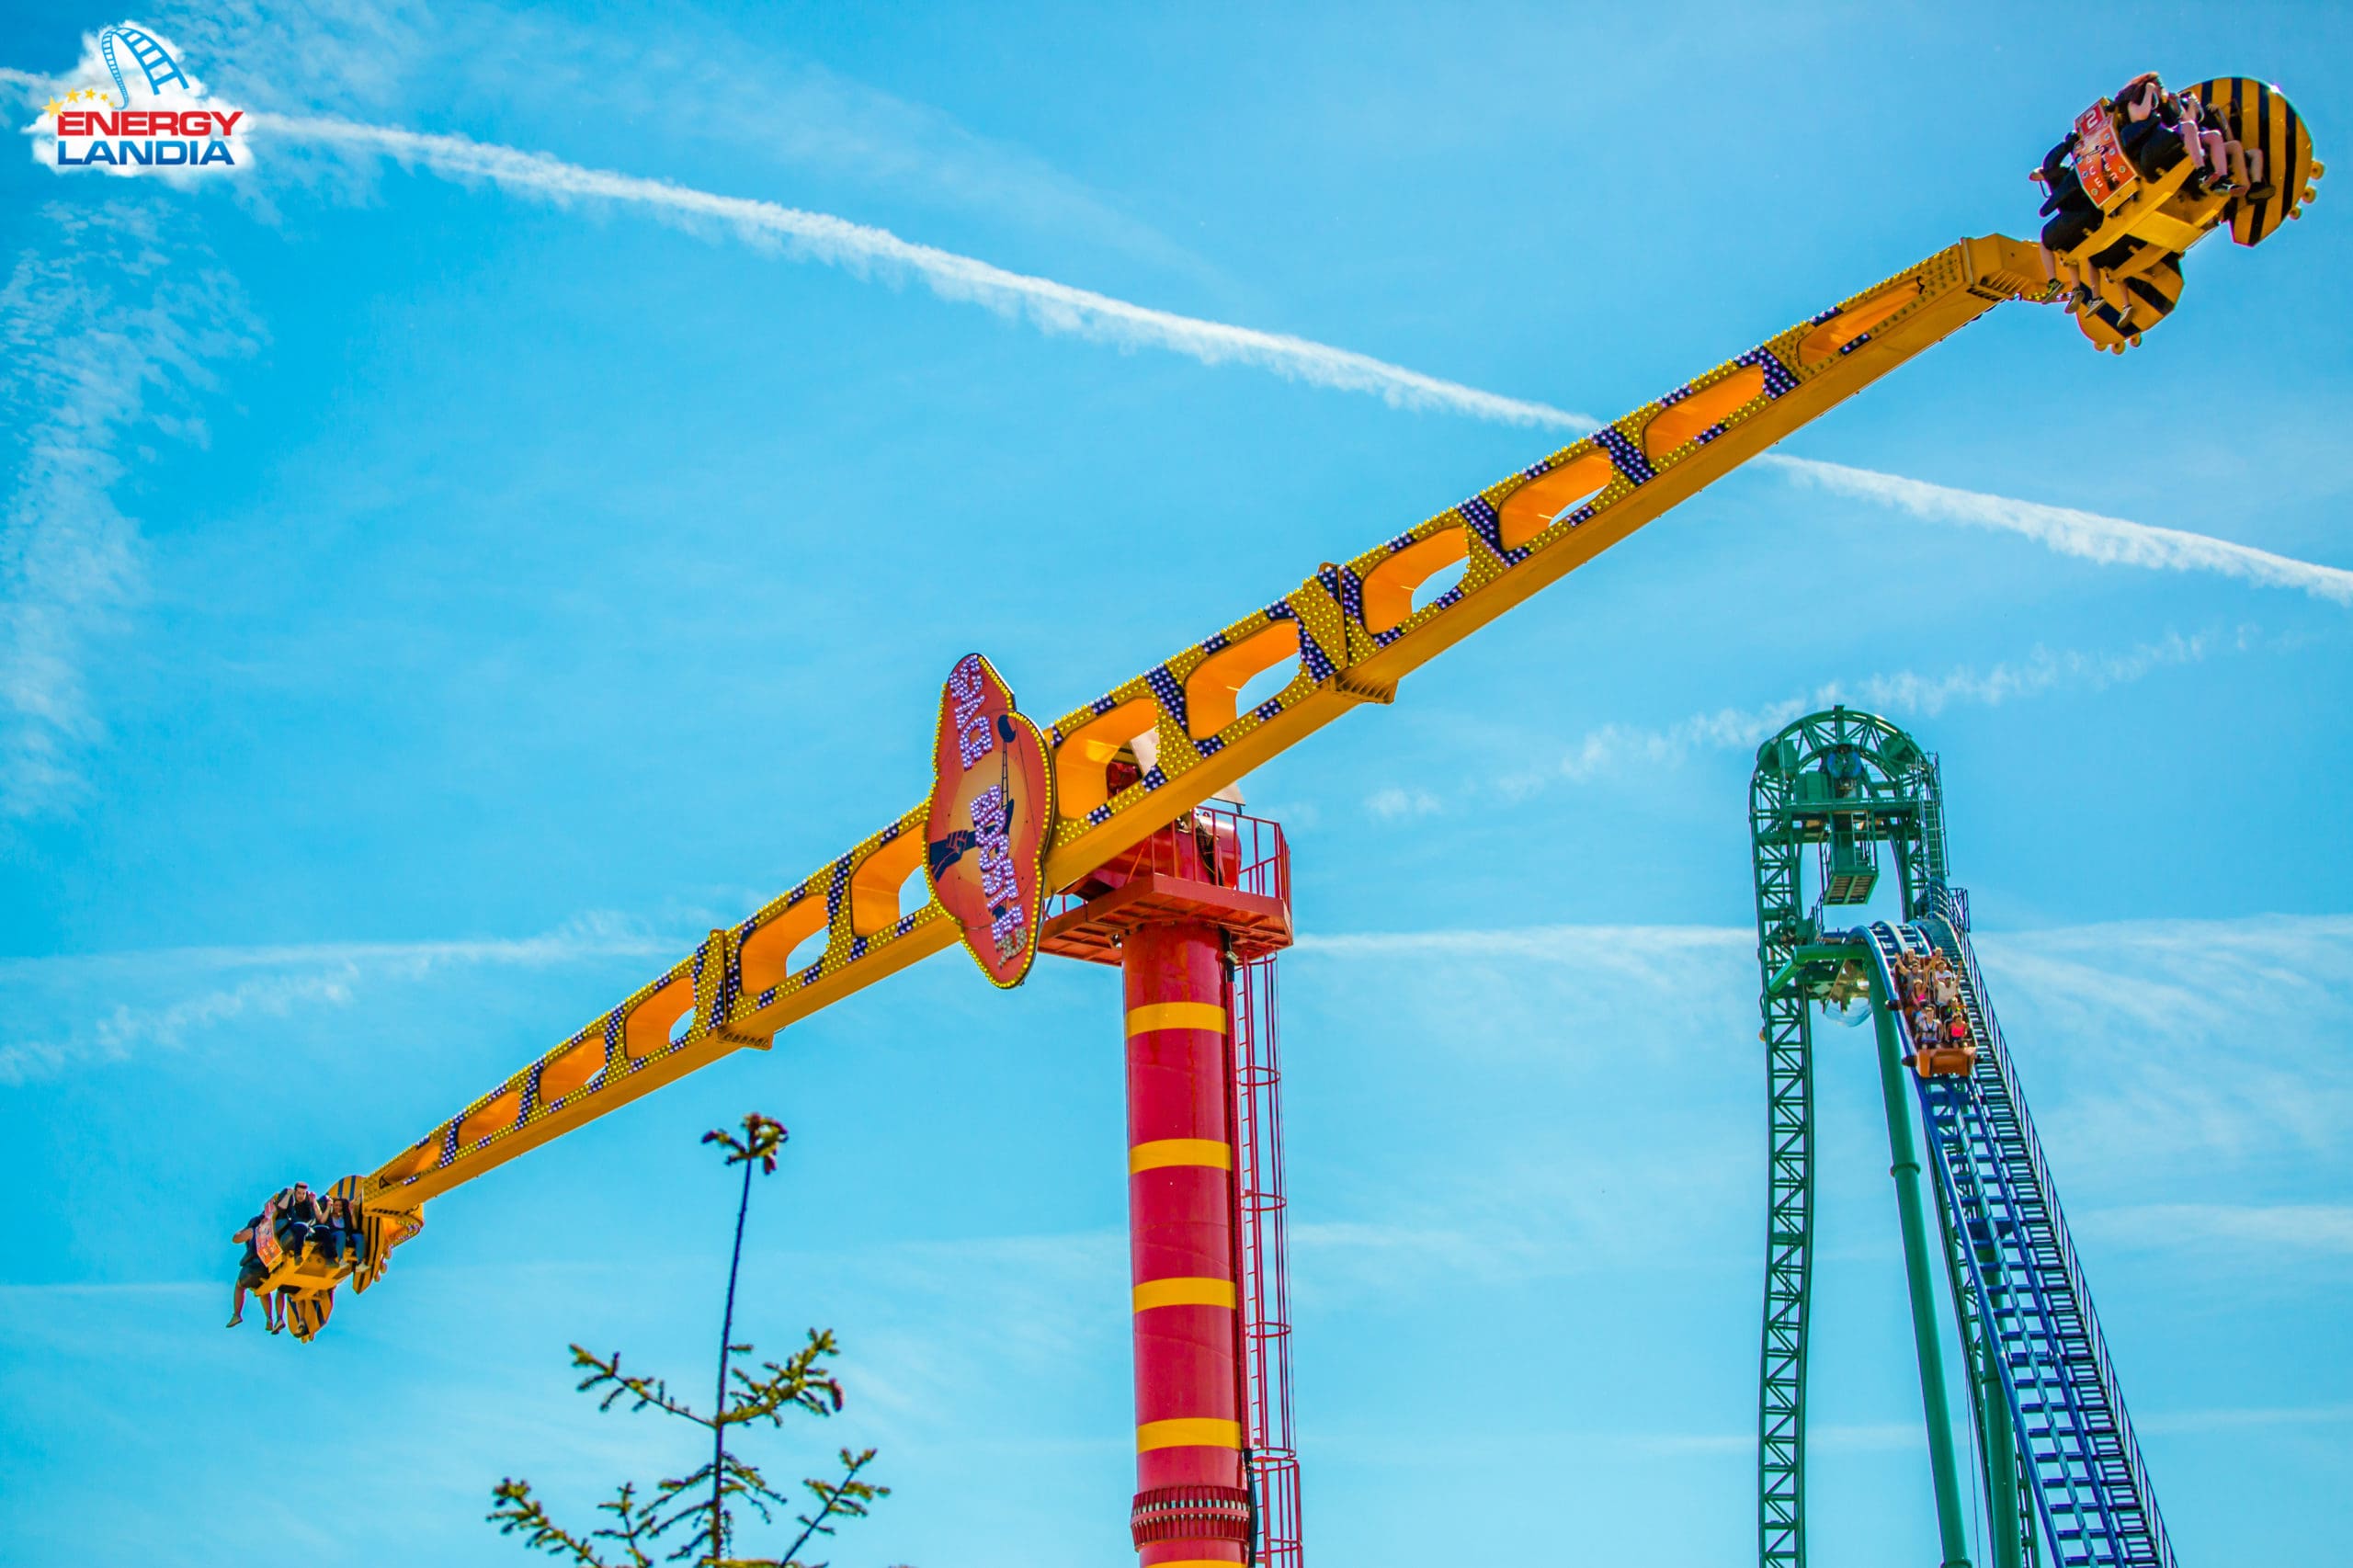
x,y
1355,633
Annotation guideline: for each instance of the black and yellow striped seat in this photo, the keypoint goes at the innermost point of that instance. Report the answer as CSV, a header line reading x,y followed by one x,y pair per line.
x,y
2138,247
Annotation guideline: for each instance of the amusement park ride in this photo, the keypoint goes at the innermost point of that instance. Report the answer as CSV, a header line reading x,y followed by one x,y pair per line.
x,y
1103,838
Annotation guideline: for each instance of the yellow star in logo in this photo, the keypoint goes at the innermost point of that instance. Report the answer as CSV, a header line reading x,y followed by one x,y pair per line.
x,y
101,97
53,107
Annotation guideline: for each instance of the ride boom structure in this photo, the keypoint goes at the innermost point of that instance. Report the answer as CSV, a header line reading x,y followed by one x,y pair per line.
x,y
1152,876
1355,633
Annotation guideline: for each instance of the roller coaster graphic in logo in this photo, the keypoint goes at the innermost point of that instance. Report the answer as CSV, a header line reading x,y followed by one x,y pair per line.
x,y
153,117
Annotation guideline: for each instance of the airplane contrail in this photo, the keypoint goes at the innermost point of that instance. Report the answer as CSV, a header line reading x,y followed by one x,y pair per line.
x,y
2111,541
1061,308
1052,307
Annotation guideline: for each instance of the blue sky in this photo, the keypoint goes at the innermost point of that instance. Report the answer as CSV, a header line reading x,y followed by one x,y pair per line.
x,y
434,598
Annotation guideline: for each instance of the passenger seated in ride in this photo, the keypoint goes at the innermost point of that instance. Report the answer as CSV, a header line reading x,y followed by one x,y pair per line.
x,y
343,1224
2234,165
2074,215
2150,128
2202,136
250,1272
301,1220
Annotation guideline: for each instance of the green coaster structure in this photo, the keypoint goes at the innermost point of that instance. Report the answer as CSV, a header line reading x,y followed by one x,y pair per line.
x,y
2061,1472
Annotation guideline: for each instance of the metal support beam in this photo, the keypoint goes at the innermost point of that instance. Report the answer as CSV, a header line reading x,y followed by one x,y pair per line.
x,y
1911,1207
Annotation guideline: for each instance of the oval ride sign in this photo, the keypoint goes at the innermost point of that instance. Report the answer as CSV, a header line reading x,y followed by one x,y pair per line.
x,y
992,805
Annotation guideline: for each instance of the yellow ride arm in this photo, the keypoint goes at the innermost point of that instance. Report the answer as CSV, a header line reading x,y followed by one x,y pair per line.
x,y
1355,633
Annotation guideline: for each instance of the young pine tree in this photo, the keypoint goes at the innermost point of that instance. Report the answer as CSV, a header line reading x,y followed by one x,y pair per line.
x,y
692,1518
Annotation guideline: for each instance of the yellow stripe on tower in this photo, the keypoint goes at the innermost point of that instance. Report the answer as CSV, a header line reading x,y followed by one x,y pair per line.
x,y
1184,1291
1163,1152
1176,1016
1189,1432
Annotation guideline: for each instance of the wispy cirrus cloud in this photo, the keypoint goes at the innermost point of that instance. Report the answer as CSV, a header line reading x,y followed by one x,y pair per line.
x,y
1614,748
2087,536
58,606
108,333
1061,308
1638,948
1064,309
2273,1229
180,993
1886,1436
2212,1035
1908,693
866,251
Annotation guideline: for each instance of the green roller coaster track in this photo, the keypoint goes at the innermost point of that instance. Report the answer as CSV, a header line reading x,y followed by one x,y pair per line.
x,y
1843,783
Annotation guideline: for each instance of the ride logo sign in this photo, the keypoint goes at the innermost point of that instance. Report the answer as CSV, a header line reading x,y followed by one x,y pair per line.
x,y
128,108
992,808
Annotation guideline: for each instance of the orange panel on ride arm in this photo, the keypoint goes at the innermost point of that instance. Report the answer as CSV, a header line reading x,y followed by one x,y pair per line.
x,y
1529,510
1711,406
1210,693
1082,762
876,887
1388,587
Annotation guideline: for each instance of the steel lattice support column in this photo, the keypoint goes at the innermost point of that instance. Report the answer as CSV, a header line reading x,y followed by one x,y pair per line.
x,y
1192,1505
1788,1070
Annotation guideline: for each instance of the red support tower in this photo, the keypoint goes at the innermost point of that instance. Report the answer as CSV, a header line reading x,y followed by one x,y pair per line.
x,y
1194,915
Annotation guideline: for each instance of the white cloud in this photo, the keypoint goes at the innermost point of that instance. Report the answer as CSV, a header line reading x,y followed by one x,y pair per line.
x,y
1394,803
187,991
2273,1228
2183,1035
2212,1039
103,332
1056,307
866,251
2245,1418
1612,749
2089,536
1639,949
